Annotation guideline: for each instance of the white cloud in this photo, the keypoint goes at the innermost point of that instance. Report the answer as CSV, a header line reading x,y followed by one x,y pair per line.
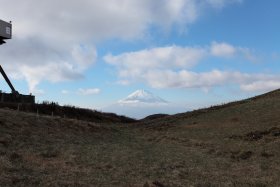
x,y
185,79
171,67
262,85
53,72
69,20
36,61
206,80
249,55
60,34
79,20
222,50
65,92
89,91
226,50
216,3
84,56
134,63
38,92
222,3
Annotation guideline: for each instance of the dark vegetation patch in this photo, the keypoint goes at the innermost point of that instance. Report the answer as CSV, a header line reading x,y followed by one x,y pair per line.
x,y
15,157
50,153
158,184
5,140
67,111
241,155
235,119
266,154
258,135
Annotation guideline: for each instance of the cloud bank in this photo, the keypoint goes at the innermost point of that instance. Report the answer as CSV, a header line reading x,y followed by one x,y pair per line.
x,y
55,40
172,67
88,91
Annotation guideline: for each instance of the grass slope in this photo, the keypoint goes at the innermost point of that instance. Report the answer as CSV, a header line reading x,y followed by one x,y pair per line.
x,y
71,112
237,144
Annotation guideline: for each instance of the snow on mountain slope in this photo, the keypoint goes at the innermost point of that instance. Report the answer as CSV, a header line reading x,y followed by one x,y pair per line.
x,y
142,97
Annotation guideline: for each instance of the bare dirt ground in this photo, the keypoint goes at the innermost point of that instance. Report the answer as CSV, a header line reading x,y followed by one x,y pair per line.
x,y
237,144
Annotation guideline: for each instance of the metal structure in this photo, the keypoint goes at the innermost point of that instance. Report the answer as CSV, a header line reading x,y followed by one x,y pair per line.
x,y
5,31
14,96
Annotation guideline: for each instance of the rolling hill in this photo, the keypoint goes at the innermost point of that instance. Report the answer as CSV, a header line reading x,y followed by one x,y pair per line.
x,y
235,144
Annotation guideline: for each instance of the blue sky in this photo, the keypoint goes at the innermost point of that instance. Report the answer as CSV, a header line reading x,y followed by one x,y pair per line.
x,y
191,52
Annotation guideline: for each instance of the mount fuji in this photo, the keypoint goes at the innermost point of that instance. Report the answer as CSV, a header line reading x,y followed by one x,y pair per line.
x,y
142,103
142,97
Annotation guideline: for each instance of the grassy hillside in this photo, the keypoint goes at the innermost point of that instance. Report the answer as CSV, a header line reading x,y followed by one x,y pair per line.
x,y
236,144
71,112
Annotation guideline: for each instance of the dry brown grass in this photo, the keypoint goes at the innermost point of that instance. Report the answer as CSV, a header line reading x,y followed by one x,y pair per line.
x,y
237,144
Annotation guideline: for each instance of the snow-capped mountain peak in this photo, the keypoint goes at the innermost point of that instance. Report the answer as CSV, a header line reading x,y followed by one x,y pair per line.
x,y
142,103
142,96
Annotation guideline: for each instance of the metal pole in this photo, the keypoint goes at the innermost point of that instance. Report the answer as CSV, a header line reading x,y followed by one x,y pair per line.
x,y
7,79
